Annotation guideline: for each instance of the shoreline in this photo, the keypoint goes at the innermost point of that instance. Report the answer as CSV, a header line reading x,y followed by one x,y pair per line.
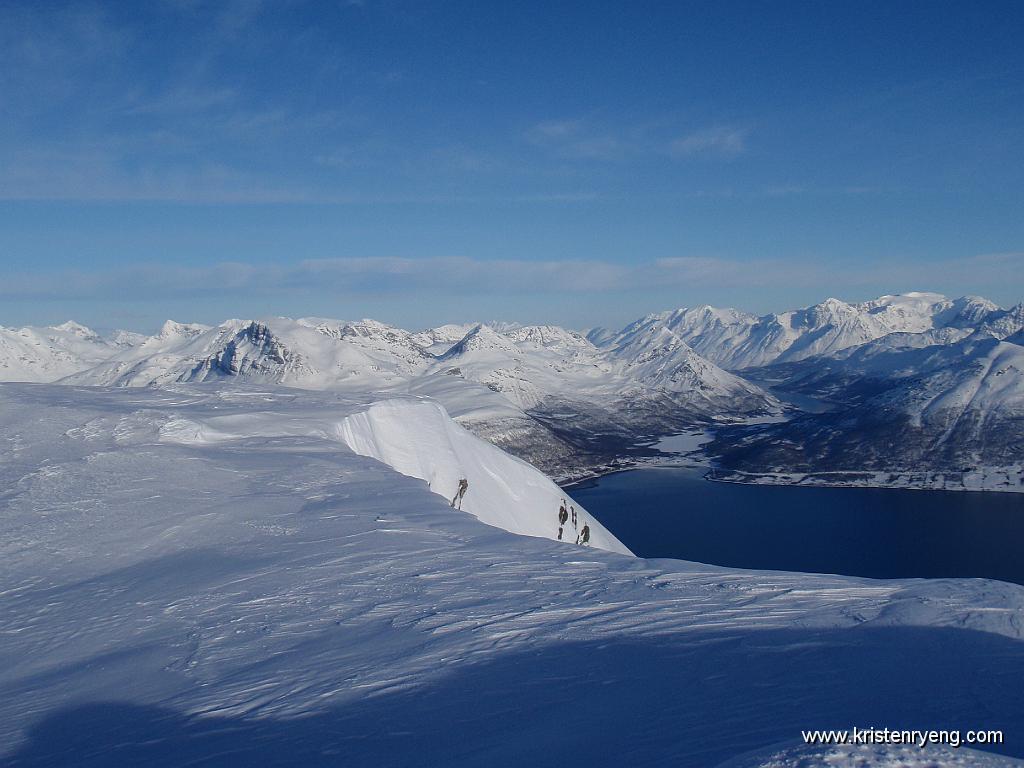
x,y
813,480
905,480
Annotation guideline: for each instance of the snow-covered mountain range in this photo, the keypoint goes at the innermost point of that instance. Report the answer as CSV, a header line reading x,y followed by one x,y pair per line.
x,y
49,354
510,384
910,411
565,400
737,340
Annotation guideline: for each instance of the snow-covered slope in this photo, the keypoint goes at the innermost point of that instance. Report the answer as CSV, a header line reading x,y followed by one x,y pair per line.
x,y
392,349
439,340
48,354
417,438
655,357
530,364
313,354
208,575
1004,323
737,340
943,415
535,365
420,440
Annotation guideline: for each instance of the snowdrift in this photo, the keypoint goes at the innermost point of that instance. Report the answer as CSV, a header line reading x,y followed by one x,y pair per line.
x,y
419,439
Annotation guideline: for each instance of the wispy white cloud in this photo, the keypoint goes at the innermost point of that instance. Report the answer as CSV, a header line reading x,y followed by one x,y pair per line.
x,y
98,174
587,140
579,140
398,276
555,129
721,141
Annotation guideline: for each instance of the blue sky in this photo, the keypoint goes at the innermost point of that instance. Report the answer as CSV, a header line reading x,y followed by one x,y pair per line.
x,y
579,163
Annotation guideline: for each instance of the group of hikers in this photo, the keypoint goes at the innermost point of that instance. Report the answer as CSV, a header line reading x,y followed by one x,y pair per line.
x,y
583,537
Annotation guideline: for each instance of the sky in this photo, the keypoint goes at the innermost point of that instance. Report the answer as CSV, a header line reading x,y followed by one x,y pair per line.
x,y
580,163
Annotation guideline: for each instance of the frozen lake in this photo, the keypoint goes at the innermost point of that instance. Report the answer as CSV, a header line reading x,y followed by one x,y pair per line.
x,y
880,533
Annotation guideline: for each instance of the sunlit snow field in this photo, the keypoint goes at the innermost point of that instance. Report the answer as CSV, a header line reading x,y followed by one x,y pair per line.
x,y
213,576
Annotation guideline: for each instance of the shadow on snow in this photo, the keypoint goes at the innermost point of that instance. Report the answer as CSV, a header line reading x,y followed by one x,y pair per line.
x,y
690,699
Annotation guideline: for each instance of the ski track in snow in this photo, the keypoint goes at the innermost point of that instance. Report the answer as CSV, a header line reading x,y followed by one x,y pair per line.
x,y
212,577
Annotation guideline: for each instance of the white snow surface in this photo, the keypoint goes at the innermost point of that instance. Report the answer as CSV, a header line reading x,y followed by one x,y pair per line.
x,y
48,354
211,576
418,439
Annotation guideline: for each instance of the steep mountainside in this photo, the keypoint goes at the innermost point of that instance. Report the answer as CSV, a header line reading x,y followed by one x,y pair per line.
x,y
947,416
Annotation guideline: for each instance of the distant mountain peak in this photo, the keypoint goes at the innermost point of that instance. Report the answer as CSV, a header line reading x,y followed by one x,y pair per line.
x,y
77,329
481,337
172,329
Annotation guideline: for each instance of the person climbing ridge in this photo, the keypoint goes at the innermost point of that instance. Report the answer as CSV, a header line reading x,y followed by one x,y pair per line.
x,y
573,517
463,487
562,517
584,538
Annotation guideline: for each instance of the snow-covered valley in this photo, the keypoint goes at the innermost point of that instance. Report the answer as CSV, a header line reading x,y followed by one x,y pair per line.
x,y
234,574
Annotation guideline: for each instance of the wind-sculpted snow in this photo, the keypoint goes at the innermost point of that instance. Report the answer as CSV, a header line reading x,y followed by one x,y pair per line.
x,y
208,575
420,440
416,437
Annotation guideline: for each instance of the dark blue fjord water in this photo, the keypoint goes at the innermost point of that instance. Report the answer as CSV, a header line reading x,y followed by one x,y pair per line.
x,y
880,533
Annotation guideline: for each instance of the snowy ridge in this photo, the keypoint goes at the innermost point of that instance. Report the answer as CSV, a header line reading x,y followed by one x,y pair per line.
x,y
418,439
